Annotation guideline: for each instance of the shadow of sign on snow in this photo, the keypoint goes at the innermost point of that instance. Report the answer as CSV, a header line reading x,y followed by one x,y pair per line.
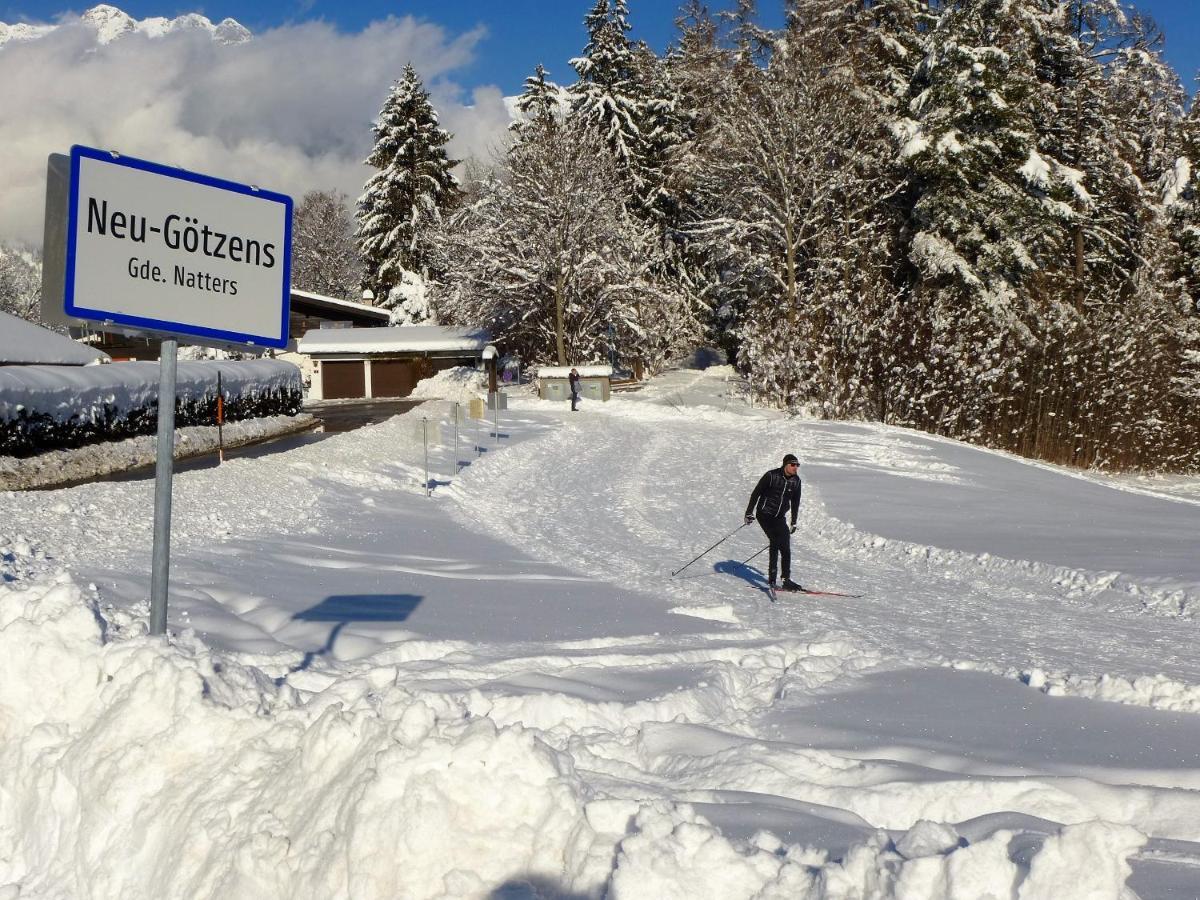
x,y
533,888
362,608
346,608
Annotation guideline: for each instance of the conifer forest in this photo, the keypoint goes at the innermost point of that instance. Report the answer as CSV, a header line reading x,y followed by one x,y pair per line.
x,y
977,218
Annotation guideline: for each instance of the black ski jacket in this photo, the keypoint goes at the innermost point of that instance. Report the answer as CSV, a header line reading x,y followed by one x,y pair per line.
x,y
774,493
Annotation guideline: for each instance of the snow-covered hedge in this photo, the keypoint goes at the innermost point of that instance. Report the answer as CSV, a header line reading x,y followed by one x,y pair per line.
x,y
54,407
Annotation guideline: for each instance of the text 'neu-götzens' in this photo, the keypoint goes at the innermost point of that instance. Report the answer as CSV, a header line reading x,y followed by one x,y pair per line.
x,y
180,232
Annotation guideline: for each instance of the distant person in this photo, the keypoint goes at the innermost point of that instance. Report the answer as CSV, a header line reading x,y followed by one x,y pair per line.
x,y
775,496
573,378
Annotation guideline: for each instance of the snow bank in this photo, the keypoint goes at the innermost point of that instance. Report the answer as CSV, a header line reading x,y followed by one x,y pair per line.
x,y
134,767
65,466
139,768
675,853
460,385
1165,598
1153,691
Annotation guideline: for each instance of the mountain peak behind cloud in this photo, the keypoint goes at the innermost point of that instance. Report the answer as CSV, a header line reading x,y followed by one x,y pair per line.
x,y
110,23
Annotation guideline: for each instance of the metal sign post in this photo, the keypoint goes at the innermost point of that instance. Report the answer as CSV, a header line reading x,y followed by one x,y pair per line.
x,y
425,435
164,470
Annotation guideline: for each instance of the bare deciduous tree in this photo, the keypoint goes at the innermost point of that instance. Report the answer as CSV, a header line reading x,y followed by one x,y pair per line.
x,y
325,259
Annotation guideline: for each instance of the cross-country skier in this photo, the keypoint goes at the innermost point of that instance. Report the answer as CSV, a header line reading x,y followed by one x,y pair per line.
x,y
776,494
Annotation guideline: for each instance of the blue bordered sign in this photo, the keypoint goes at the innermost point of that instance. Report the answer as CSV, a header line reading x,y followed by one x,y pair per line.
x,y
165,251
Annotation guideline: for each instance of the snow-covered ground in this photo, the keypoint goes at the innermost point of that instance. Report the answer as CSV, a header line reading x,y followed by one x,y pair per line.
x,y
497,691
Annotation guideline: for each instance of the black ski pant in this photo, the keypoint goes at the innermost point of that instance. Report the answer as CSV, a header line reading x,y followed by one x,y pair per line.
x,y
777,532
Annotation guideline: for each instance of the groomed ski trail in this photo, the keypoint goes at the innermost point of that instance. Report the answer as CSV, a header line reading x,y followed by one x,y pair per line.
x,y
635,493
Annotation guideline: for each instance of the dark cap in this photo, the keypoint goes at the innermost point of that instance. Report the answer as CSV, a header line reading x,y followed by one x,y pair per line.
x,y
790,458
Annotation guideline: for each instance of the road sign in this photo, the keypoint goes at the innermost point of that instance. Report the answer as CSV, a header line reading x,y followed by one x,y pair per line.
x,y
153,249
145,248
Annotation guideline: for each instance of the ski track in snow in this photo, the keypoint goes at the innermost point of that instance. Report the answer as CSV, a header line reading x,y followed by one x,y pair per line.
x,y
912,592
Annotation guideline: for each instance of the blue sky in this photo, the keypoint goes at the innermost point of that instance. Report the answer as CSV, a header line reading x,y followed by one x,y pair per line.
x,y
521,33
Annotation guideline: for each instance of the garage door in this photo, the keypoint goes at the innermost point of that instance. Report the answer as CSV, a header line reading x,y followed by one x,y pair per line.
x,y
342,380
393,378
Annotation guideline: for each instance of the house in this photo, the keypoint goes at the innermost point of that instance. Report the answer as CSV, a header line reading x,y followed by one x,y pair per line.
x,y
309,312
388,362
26,344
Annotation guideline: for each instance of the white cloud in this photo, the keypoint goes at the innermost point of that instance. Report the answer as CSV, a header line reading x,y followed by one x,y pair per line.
x,y
481,129
290,110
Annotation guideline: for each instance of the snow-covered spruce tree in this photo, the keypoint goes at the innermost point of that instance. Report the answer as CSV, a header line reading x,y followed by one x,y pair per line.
x,y
751,43
665,126
325,258
876,47
1102,386
1082,250
982,217
552,262
541,104
607,98
1152,382
625,95
1181,197
1074,127
405,199
889,38
1181,208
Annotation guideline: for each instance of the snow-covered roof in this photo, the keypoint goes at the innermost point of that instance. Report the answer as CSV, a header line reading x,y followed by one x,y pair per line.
x,y
24,343
584,371
401,339
334,303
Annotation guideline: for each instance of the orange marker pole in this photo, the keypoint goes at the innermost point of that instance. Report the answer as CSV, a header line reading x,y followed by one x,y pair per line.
x,y
220,420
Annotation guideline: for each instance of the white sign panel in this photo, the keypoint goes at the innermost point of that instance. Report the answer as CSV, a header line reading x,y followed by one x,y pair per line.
x,y
168,251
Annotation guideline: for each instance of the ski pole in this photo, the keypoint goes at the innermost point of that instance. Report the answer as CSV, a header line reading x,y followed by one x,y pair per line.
x,y
746,561
713,547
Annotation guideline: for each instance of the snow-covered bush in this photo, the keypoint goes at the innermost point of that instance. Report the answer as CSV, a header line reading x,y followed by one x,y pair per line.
x,y
54,407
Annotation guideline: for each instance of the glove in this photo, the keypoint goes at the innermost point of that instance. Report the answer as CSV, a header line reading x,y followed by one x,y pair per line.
x,y
749,519
792,530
